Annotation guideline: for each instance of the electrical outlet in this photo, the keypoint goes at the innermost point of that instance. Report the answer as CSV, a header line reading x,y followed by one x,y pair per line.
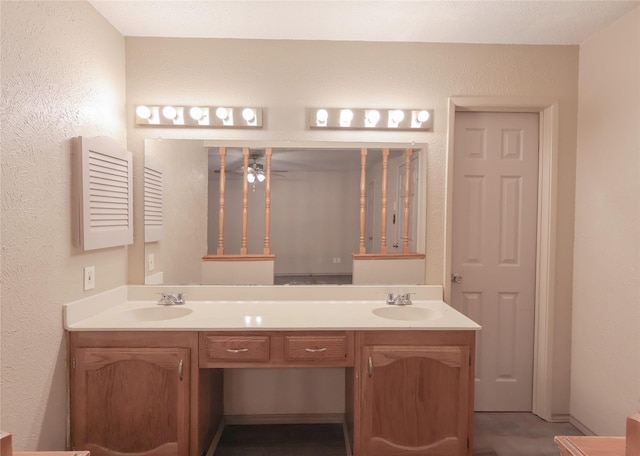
x,y
151,262
339,260
89,278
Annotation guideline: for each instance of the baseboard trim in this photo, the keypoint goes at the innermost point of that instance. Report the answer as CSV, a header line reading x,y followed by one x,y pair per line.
x,y
294,418
581,427
560,418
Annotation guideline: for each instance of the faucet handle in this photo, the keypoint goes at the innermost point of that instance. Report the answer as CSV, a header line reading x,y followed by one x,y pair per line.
x,y
405,299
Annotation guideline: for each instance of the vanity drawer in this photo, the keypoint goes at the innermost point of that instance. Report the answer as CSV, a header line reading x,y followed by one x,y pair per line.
x,y
316,348
229,348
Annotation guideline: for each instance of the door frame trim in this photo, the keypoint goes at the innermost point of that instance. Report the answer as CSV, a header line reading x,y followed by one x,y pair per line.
x,y
546,228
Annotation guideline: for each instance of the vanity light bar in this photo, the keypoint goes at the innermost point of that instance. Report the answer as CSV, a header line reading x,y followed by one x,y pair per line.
x,y
370,119
198,116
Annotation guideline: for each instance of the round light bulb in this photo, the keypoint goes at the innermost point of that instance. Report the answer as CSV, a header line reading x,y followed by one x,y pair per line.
x,y
346,116
397,116
222,113
196,113
322,116
143,112
248,114
373,117
169,112
423,116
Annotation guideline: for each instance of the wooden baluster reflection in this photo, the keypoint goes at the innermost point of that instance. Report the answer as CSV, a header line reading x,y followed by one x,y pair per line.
x,y
363,198
223,156
407,191
267,203
383,231
245,200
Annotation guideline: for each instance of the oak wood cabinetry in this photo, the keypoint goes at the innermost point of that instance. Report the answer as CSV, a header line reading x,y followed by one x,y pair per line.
x,y
408,392
277,349
415,393
139,392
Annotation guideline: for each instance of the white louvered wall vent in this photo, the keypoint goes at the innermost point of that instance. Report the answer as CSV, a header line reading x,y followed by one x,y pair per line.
x,y
103,191
153,200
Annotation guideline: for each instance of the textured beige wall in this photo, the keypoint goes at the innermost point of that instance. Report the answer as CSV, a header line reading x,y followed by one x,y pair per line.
x,y
287,76
62,76
605,380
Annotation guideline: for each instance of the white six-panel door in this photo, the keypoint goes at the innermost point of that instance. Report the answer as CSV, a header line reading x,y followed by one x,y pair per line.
x,y
494,249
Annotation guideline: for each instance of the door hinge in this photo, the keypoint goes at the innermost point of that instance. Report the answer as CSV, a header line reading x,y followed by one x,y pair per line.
x,y
73,362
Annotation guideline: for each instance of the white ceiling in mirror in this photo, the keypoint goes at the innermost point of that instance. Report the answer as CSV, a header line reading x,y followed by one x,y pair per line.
x,y
294,159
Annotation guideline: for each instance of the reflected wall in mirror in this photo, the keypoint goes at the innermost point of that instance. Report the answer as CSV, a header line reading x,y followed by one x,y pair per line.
x,y
314,222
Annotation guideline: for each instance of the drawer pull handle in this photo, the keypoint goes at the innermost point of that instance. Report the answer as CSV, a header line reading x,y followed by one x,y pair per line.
x,y
316,350
370,367
237,350
180,370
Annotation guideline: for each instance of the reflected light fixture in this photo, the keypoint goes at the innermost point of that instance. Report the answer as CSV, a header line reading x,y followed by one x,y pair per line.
x,y
255,172
198,116
370,119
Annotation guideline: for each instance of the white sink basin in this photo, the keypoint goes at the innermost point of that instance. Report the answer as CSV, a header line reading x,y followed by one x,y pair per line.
x,y
407,313
156,313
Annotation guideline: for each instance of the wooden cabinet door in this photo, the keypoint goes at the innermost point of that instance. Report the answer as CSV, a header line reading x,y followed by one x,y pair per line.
x,y
127,401
415,400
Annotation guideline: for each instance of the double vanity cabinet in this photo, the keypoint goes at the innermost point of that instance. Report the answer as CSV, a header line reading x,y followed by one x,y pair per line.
x,y
158,392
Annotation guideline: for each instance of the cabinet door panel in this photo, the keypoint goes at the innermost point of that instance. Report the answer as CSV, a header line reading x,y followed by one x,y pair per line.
x,y
415,400
131,401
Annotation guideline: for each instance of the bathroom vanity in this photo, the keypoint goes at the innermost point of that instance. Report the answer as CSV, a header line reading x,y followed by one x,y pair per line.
x,y
148,379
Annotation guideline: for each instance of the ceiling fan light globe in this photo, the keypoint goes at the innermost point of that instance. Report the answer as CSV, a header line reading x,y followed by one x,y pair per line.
x,y
261,177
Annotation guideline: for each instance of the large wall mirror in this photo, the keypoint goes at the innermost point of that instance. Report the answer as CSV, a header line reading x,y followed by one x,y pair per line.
x,y
308,202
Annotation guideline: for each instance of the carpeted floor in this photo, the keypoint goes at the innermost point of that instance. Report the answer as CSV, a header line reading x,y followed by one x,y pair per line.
x,y
517,434
496,434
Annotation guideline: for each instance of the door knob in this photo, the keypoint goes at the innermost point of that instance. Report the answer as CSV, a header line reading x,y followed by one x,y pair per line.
x,y
456,278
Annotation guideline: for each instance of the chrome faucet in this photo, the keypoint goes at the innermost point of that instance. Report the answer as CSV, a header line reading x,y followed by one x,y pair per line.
x,y
169,299
400,299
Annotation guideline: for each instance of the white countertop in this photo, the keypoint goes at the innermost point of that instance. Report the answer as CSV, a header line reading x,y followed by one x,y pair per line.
x,y
116,311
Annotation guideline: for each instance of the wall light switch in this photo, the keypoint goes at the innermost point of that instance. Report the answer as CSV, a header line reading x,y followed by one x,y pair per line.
x,y
151,262
89,278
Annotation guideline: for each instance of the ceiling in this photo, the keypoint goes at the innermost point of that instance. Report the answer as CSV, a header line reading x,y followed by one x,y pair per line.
x,y
481,21
299,159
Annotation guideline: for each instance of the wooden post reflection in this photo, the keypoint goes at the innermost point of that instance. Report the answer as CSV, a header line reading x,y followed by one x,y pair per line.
x,y
223,156
383,230
363,198
245,200
267,203
407,192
